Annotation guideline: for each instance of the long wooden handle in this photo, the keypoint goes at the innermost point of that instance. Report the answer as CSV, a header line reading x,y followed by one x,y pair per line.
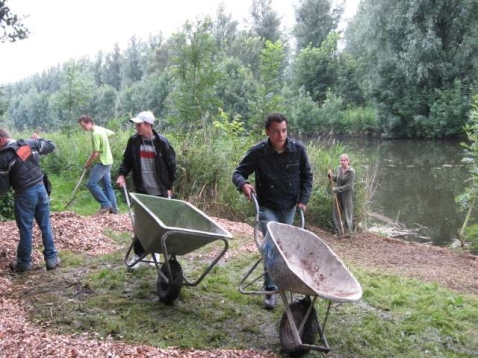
x,y
337,205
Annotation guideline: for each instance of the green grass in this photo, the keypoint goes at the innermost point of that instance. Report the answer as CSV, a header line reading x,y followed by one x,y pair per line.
x,y
98,296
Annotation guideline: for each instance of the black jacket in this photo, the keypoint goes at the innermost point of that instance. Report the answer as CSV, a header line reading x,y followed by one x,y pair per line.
x,y
165,162
282,180
22,173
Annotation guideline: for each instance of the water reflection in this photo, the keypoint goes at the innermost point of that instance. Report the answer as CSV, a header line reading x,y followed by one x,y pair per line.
x,y
418,183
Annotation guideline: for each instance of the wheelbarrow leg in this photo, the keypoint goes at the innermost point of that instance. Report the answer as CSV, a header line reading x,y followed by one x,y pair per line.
x,y
299,326
243,286
128,253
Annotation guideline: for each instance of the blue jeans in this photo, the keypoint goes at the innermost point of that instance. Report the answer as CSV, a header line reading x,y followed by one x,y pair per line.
x,y
33,203
284,216
99,185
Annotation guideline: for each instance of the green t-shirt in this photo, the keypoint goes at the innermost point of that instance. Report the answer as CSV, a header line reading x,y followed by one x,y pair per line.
x,y
99,137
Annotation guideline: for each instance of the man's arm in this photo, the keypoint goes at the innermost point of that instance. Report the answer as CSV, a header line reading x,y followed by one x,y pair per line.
x,y
91,159
41,145
245,168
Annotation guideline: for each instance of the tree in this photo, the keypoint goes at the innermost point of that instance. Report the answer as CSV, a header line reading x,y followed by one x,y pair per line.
x,y
316,69
237,88
98,65
265,21
247,48
268,97
75,93
467,200
112,68
196,73
11,25
419,60
224,28
315,19
133,59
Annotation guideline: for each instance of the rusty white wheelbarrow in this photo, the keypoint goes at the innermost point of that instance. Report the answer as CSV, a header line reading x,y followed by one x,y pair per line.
x,y
172,228
301,264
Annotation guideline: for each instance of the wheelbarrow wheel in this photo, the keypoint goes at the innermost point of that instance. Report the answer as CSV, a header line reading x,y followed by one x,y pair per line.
x,y
168,292
309,334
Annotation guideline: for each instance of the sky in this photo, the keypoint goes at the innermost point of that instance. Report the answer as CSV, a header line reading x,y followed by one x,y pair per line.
x,y
61,30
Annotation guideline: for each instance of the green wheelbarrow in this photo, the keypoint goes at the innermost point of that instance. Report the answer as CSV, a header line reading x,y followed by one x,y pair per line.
x,y
169,228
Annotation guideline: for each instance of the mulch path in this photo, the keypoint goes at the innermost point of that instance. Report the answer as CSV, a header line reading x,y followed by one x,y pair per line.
x,y
86,234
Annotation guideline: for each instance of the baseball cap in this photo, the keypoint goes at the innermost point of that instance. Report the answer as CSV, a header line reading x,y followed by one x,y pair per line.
x,y
146,117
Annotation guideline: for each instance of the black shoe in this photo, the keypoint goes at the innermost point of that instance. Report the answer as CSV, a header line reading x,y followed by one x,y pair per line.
x,y
16,267
51,265
103,211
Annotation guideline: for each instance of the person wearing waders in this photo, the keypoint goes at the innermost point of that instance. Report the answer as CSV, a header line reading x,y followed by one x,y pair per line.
x,y
283,181
343,190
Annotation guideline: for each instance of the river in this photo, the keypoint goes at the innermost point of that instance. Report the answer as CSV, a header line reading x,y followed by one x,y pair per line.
x,y
417,184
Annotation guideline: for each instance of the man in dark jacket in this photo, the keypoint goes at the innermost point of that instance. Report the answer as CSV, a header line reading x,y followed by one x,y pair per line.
x,y
20,169
283,180
152,161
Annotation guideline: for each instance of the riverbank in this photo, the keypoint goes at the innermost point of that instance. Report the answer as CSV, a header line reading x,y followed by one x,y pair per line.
x,y
75,233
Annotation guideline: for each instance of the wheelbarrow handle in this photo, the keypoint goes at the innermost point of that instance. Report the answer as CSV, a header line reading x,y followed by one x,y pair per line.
x,y
256,219
128,202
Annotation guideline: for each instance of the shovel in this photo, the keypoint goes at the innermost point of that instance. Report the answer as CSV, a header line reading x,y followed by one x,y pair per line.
x,y
73,194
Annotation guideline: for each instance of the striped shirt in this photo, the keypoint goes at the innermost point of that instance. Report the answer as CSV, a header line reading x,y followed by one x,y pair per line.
x,y
147,155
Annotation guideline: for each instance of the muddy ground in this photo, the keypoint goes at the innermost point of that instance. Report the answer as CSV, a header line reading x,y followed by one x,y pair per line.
x,y
21,338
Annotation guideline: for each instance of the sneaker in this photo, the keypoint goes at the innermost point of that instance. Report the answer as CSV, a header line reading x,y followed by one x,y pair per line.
x,y
270,302
103,211
137,264
152,259
16,267
53,264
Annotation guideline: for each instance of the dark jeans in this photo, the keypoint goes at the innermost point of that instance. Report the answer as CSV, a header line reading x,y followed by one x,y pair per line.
x,y
33,203
284,216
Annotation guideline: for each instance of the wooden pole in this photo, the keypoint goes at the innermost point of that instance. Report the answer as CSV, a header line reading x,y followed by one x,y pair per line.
x,y
337,205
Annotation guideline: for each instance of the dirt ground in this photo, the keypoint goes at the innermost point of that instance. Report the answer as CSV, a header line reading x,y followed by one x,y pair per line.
x,y
21,338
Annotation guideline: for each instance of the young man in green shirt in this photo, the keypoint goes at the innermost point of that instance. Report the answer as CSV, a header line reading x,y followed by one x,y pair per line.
x,y
99,182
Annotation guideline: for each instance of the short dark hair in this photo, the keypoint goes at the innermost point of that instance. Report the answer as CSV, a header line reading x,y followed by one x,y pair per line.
x,y
275,117
85,119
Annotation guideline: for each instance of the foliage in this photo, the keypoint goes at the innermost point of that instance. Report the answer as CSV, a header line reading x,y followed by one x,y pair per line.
x,y
206,161
11,25
417,60
196,75
6,206
467,200
268,98
413,62
237,88
330,118
265,21
315,69
315,19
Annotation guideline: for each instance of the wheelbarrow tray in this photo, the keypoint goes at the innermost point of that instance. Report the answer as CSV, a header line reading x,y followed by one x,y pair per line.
x,y
177,224
299,261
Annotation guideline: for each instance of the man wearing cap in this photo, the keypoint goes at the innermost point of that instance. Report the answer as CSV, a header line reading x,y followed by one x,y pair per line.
x,y
99,182
152,161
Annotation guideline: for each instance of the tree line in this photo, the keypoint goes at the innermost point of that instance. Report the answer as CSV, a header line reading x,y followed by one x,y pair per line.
x,y
402,69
